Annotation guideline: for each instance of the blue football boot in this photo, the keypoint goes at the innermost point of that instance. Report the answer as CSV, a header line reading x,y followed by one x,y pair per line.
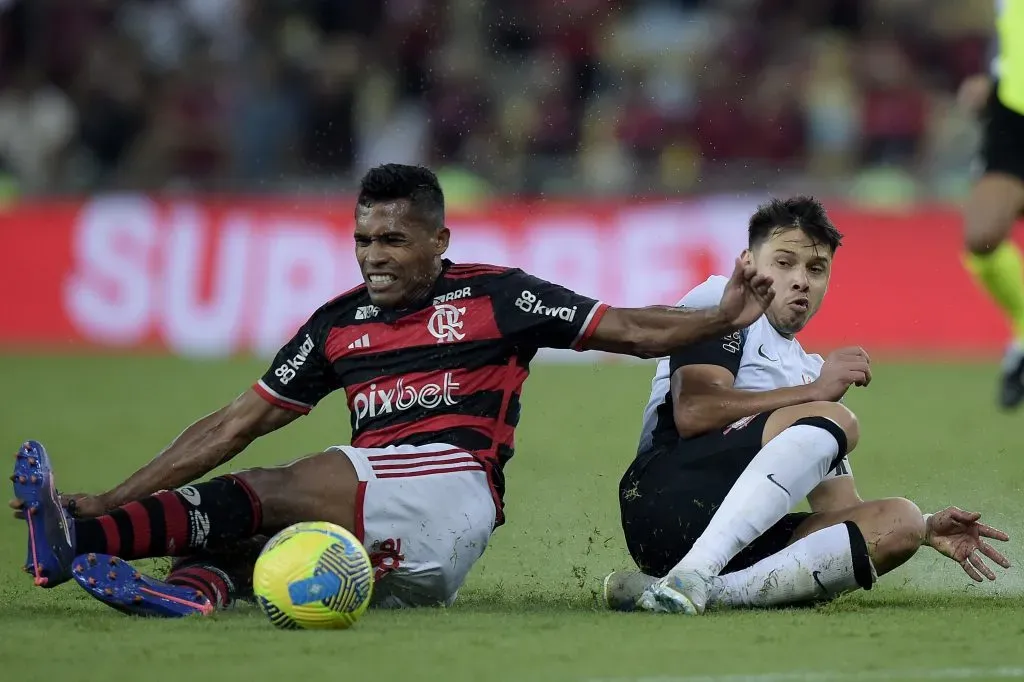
x,y
117,584
51,531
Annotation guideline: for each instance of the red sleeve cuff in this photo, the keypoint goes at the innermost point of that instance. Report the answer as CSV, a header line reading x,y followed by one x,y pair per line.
x,y
278,400
590,325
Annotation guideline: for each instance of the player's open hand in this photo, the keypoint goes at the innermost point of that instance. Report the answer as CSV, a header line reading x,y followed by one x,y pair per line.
x,y
845,367
957,534
79,505
747,295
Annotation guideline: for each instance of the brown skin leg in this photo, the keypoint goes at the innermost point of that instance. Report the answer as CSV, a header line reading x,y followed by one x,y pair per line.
x,y
893,528
990,211
320,487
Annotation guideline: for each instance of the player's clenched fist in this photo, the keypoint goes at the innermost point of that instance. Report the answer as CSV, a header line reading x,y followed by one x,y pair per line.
x,y
843,368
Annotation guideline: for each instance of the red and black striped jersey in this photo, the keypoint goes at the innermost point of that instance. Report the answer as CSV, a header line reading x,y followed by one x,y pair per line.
x,y
449,370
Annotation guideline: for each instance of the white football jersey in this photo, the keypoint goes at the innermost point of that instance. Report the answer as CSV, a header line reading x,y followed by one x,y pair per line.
x,y
767,361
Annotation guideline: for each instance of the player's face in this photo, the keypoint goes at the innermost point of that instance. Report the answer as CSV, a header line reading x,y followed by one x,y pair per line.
x,y
399,256
801,270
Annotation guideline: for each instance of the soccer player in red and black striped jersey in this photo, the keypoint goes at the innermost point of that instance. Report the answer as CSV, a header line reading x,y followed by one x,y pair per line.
x,y
432,356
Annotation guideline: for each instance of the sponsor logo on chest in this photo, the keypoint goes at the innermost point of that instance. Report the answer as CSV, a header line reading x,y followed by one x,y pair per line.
x,y
445,323
380,400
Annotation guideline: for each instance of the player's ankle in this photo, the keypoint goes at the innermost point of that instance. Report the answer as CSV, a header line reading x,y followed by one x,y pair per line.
x,y
700,560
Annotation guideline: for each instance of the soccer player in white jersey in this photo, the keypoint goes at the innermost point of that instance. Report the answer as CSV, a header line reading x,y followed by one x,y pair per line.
x,y
740,429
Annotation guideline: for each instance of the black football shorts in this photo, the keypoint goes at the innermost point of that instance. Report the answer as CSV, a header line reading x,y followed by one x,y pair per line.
x,y
1002,146
668,496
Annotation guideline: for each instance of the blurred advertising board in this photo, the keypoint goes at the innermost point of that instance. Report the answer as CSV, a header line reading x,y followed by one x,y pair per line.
x,y
212,277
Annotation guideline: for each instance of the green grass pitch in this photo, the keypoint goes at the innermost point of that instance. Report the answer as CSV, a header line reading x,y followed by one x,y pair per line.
x,y
929,432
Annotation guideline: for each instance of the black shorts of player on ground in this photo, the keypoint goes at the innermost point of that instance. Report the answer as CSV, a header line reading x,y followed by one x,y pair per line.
x,y
669,494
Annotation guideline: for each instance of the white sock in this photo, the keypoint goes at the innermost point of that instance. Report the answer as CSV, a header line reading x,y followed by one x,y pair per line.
x,y
779,476
819,567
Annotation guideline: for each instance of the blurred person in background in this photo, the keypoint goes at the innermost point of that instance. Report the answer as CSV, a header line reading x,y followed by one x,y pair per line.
x,y
37,125
640,98
997,198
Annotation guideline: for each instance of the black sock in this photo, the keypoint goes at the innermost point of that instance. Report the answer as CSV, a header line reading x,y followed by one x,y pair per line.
x,y
174,522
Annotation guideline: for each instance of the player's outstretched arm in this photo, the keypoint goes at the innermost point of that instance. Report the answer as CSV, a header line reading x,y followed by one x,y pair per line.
x,y
656,331
202,447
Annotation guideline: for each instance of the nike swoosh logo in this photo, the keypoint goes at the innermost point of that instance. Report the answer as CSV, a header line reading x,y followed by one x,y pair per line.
x,y
817,580
771,477
760,351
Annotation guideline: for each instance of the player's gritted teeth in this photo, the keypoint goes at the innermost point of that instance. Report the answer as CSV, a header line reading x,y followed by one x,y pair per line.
x,y
380,281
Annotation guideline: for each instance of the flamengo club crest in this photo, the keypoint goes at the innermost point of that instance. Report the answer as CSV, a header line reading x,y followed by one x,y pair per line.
x,y
445,323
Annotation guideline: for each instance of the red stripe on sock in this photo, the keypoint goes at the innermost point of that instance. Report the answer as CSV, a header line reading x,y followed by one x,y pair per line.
x,y
175,521
204,580
194,584
111,535
141,532
187,581
217,582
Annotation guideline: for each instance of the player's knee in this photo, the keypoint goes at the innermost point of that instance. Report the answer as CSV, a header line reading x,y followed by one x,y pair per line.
x,y
983,239
894,529
318,487
837,413
986,225
266,483
281,499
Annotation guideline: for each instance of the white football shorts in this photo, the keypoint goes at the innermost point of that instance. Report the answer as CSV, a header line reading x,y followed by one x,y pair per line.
x,y
425,514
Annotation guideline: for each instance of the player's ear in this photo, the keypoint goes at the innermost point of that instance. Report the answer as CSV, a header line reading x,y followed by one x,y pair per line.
x,y
441,240
747,257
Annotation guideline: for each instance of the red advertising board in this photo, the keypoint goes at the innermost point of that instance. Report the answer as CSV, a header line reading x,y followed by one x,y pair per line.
x,y
215,277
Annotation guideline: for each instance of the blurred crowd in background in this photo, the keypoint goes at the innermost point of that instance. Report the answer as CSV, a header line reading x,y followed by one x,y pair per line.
x,y
522,97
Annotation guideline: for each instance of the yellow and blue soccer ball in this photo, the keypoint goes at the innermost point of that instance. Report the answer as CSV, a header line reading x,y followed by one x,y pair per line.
x,y
313,575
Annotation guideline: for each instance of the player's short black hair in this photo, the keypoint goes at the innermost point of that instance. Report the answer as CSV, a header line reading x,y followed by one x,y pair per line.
x,y
805,213
398,181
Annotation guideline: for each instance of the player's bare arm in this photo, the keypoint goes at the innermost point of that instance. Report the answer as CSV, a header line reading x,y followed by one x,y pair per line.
x,y
198,450
655,331
704,398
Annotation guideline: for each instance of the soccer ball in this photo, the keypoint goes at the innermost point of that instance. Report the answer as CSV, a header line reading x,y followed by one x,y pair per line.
x,y
313,575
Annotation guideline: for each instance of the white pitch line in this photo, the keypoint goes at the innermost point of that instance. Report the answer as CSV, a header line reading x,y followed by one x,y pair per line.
x,y
821,676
